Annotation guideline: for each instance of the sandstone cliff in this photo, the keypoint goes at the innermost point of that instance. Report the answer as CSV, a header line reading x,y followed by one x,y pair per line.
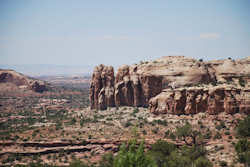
x,y
193,100
102,88
13,77
175,84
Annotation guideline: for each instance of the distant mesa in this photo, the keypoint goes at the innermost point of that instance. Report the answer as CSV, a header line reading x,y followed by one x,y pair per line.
x,y
22,81
176,85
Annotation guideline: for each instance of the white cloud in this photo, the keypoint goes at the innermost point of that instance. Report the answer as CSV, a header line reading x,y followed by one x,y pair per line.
x,y
209,35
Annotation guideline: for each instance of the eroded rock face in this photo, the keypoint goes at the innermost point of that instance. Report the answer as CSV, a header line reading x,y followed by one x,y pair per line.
x,y
179,101
194,100
244,105
102,88
129,88
176,85
133,89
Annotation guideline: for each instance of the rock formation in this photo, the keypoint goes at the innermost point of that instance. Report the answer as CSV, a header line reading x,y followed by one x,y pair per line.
x,y
193,100
13,77
176,85
102,88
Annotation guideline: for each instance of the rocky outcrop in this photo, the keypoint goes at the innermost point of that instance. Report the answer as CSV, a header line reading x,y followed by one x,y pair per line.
x,y
176,85
193,100
13,77
102,88
38,86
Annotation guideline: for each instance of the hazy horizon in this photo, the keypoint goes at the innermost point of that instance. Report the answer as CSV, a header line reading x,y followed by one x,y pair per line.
x,y
49,69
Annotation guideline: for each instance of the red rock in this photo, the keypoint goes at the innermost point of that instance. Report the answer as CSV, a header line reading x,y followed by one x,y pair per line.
x,y
102,88
175,85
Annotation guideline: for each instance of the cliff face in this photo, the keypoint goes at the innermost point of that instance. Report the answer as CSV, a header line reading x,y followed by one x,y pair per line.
x,y
102,88
134,89
176,85
193,100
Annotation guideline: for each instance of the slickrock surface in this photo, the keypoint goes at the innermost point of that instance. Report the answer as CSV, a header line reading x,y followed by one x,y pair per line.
x,y
17,79
176,85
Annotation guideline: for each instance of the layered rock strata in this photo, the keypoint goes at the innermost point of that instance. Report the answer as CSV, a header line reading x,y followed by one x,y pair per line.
x,y
176,85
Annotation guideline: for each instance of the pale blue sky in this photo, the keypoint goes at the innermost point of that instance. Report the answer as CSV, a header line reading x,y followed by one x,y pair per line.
x,y
81,32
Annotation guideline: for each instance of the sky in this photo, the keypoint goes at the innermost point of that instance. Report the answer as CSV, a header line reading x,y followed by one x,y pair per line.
x,y
116,32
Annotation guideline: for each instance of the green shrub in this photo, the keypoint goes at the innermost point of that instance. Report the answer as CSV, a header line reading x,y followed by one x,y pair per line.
x,y
73,121
202,162
107,160
220,126
189,157
187,131
144,132
77,163
242,148
227,133
133,156
242,82
207,135
160,152
167,133
223,163
243,129
161,122
217,136
84,142
155,130
127,124
172,136
136,110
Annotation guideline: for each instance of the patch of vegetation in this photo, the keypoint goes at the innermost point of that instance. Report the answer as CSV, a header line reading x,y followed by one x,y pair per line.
x,y
136,110
127,124
172,136
217,136
207,135
242,82
161,154
223,163
186,131
220,126
161,122
243,129
242,148
227,133
155,130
